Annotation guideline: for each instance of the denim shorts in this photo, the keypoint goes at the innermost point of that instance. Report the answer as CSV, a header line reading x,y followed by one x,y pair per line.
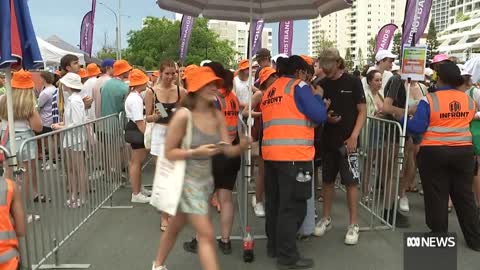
x,y
29,149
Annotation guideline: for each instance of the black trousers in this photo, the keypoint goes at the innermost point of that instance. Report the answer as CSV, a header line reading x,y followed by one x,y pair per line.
x,y
449,171
286,207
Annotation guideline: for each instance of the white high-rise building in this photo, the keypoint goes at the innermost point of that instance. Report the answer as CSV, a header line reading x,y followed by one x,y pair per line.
x,y
440,14
354,27
237,34
467,7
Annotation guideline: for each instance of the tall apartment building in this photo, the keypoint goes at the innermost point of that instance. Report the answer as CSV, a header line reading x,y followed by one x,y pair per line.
x,y
353,27
466,7
440,14
237,34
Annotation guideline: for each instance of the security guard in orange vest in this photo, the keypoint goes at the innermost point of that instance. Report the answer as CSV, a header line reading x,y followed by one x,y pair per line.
x,y
10,207
446,157
289,113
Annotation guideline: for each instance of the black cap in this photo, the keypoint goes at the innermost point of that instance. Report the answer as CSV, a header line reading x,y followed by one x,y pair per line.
x,y
262,53
450,74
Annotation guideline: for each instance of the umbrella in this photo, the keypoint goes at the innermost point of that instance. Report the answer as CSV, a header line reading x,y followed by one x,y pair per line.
x,y
249,10
18,47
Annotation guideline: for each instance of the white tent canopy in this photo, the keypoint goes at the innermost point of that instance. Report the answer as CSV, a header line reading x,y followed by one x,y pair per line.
x,y
51,54
269,10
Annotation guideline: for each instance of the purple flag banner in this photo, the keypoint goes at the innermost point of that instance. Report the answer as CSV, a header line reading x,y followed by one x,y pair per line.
x,y
185,32
417,13
285,37
256,29
384,36
86,30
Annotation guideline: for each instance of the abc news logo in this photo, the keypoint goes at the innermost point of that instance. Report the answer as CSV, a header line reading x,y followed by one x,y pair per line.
x,y
431,242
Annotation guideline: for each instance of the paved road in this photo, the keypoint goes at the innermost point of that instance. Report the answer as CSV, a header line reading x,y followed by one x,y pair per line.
x,y
127,239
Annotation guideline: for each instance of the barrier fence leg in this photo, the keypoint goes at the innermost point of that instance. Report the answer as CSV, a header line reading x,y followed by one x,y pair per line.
x,y
57,265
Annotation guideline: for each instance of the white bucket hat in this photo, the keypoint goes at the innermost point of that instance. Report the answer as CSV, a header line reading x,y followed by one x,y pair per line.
x,y
72,80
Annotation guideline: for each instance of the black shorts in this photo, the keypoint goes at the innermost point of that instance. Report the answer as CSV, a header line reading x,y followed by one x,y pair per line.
x,y
225,170
333,162
44,130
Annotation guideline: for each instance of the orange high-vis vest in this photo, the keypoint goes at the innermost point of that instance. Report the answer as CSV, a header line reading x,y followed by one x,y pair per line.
x,y
451,112
8,237
231,109
287,133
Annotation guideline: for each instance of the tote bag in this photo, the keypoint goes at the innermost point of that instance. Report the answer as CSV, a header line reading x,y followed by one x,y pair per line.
x,y
169,177
475,130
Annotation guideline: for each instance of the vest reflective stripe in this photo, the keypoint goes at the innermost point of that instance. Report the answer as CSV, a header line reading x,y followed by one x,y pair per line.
x,y
8,235
223,104
3,192
288,122
232,129
289,86
436,106
451,112
447,129
8,255
449,139
288,135
291,142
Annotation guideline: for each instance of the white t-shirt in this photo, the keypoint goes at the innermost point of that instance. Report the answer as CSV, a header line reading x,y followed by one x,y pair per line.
x,y
75,115
134,107
241,90
87,90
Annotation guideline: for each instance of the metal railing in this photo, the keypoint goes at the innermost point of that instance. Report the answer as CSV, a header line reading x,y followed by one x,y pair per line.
x,y
68,175
381,162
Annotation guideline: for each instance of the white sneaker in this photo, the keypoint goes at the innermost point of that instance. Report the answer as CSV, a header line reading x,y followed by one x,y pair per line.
x,y
254,201
351,238
146,192
259,210
161,267
323,226
403,204
140,198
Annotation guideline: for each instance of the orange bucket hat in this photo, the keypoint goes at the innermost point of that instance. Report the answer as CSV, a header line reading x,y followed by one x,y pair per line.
x,y
244,64
307,59
22,79
137,77
93,70
201,76
187,70
120,67
265,73
156,73
83,73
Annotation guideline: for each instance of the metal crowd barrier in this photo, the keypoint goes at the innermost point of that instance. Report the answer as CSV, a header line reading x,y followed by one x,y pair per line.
x,y
381,162
76,170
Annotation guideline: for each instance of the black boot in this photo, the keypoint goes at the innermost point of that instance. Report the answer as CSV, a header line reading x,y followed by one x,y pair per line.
x,y
191,246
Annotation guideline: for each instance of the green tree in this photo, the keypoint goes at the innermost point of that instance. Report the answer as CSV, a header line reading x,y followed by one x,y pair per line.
x,y
349,60
461,17
323,43
107,52
432,41
371,51
360,61
397,39
159,39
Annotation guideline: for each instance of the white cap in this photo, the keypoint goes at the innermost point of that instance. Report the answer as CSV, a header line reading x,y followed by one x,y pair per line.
x,y
395,67
382,54
428,72
72,80
205,62
282,55
255,64
463,70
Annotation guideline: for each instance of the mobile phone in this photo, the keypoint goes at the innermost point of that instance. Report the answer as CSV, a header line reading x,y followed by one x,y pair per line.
x,y
161,110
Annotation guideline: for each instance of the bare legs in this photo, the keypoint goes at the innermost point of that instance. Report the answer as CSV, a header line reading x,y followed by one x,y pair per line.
x,y
135,169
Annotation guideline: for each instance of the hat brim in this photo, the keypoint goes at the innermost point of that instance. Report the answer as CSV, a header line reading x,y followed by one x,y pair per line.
x,y
120,72
142,82
218,82
28,86
270,74
94,74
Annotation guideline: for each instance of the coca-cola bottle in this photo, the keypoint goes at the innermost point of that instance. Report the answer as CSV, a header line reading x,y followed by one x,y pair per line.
x,y
248,247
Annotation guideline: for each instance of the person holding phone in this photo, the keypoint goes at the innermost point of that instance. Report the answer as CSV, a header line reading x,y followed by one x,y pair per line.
x,y
346,117
160,103
208,129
